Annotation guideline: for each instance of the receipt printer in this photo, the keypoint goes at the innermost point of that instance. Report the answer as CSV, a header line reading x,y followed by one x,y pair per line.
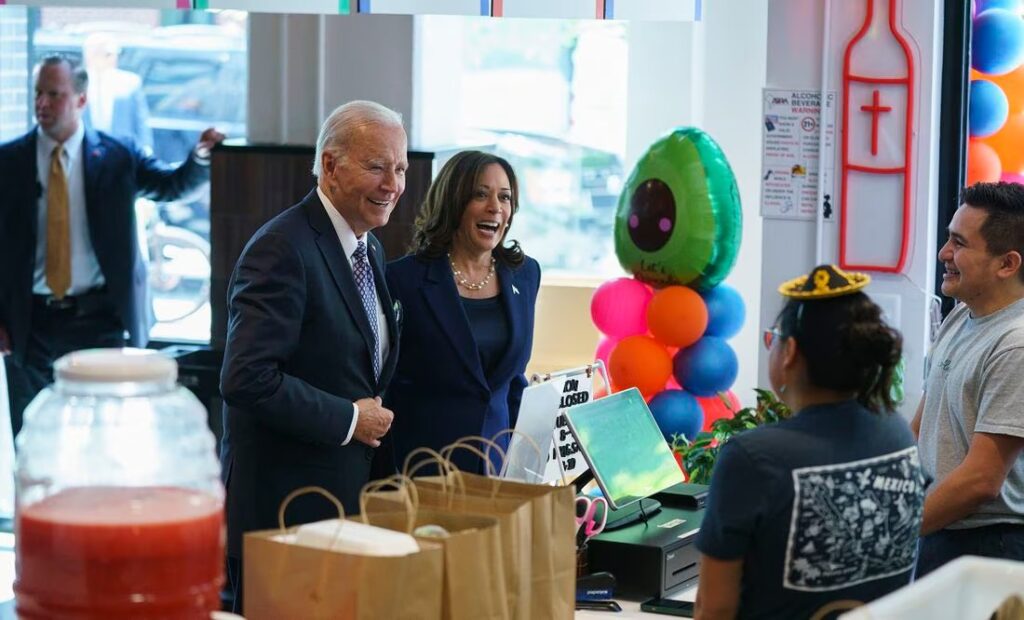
x,y
652,558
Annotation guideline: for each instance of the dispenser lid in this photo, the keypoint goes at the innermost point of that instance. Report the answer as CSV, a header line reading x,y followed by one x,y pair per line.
x,y
116,365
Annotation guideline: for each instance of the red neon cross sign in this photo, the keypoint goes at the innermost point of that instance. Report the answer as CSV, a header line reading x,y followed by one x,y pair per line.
x,y
874,110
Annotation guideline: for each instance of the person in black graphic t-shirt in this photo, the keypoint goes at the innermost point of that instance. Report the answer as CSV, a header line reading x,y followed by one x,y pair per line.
x,y
825,506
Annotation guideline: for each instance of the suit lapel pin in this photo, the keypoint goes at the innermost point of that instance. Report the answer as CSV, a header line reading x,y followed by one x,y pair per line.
x,y
515,290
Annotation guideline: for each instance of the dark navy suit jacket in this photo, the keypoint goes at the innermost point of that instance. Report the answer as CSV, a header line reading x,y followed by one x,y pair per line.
x,y
297,356
115,173
440,391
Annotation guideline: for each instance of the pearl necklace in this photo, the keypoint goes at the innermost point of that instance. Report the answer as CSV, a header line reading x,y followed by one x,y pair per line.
x,y
463,282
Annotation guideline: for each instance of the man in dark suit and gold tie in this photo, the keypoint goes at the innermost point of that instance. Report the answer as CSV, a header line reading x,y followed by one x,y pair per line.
x,y
72,273
312,335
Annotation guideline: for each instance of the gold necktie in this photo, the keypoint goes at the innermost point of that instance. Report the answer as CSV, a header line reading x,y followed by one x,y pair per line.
x,y
58,228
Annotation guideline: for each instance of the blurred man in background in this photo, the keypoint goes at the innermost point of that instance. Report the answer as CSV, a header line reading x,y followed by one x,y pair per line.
x,y
72,272
117,105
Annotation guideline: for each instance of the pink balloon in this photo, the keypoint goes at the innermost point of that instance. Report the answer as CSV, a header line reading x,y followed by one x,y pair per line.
x,y
604,348
1010,177
619,307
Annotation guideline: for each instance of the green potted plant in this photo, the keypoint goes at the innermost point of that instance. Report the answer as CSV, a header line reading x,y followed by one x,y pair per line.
x,y
697,458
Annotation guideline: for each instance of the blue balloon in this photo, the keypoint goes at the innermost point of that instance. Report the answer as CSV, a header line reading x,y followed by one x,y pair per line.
x,y
997,45
726,311
988,108
706,368
980,6
677,412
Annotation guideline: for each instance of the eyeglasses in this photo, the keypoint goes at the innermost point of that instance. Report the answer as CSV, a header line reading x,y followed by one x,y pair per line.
x,y
769,337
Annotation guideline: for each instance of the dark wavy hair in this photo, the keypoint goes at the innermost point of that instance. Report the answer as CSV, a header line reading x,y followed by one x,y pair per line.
x,y
847,345
441,213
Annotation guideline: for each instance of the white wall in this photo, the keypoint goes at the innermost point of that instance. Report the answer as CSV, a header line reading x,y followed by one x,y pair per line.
x,y
437,110
665,82
735,41
303,66
709,75
795,41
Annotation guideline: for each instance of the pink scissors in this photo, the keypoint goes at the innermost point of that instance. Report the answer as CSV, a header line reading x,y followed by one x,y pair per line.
x,y
594,518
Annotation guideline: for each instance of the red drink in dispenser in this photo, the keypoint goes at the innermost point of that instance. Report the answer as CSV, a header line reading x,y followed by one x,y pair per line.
x,y
120,510
116,552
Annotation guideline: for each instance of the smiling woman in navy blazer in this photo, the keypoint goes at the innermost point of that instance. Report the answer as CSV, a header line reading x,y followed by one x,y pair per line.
x,y
467,298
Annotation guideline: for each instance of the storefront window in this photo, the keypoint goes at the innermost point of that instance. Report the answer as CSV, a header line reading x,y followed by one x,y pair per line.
x,y
555,108
191,67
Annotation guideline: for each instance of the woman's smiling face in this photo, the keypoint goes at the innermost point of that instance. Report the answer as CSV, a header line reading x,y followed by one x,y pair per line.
x,y
486,217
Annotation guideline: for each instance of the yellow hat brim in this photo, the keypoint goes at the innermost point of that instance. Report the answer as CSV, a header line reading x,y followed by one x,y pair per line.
x,y
794,288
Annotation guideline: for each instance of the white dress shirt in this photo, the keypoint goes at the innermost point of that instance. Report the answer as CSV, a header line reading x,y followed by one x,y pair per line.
x,y
85,269
349,241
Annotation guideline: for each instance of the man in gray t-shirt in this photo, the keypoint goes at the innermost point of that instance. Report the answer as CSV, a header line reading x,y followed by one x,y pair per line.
x,y
970,423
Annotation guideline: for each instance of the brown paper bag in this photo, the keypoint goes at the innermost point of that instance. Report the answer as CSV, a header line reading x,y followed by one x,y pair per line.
x,y
552,551
284,580
1011,609
474,582
553,527
514,526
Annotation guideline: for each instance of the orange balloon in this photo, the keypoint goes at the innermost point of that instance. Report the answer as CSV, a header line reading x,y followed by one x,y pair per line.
x,y
677,316
982,163
1013,85
640,362
1007,143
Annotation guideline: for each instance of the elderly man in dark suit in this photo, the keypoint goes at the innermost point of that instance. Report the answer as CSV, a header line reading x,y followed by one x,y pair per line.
x,y
312,335
71,271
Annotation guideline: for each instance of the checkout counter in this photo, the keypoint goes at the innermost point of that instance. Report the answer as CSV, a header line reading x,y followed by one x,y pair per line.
x,y
648,542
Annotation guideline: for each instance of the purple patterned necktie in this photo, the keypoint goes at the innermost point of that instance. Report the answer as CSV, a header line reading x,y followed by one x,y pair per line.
x,y
368,293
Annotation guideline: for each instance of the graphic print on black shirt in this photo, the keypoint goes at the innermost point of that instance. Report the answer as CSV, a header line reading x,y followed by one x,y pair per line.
x,y
854,522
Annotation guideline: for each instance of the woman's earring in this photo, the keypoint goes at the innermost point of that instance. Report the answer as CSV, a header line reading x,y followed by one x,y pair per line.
x,y
782,389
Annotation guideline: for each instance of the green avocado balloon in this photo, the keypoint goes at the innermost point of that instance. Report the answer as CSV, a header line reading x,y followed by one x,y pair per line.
x,y
679,219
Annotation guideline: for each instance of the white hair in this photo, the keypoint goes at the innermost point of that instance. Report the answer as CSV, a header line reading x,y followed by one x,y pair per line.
x,y
337,130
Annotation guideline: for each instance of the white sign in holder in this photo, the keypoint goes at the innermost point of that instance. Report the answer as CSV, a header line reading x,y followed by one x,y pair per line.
x,y
541,419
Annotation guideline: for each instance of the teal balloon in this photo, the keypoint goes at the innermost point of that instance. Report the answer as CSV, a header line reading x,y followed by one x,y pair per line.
x,y
679,218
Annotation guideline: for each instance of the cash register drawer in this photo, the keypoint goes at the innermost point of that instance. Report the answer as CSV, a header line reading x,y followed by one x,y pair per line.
x,y
681,567
650,559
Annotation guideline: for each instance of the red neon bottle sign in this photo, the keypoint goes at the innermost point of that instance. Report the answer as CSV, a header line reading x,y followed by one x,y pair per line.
x,y
878,111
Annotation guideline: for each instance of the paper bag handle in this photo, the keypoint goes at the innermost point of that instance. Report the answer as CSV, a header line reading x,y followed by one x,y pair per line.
x,y
445,468
306,491
830,608
465,444
450,448
399,483
433,457
540,456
